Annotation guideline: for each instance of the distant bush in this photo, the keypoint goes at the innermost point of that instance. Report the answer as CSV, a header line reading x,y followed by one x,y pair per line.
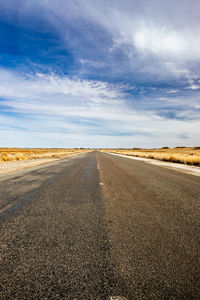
x,y
179,147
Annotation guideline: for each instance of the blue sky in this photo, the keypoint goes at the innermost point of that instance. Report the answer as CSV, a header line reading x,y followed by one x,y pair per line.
x,y
86,73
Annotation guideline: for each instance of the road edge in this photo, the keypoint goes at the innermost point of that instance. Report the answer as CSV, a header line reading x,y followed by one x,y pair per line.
x,y
191,170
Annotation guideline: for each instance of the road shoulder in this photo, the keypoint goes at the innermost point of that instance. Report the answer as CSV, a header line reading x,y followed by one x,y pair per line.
x,y
192,170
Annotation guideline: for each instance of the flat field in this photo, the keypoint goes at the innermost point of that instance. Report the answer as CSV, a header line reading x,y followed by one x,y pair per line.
x,y
16,154
184,155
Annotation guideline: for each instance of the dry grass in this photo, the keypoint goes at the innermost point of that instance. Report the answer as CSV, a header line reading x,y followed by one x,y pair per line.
x,y
14,154
183,155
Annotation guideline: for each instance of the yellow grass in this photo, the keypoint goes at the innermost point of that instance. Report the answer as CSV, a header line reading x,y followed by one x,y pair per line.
x,y
14,154
189,156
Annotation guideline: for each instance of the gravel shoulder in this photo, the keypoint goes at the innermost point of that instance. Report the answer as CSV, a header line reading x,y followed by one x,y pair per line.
x,y
7,168
192,170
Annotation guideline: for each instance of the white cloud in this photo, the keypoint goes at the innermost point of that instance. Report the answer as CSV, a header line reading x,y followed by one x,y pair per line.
x,y
163,29
34,86
94,64
193,83
160,41
48,110
157,37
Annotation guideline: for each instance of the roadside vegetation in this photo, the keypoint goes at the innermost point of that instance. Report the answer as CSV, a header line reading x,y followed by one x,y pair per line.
x,y
183,155
15,154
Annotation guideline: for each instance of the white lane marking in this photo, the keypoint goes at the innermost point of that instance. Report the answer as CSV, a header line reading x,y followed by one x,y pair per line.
x,y
97,166
100,183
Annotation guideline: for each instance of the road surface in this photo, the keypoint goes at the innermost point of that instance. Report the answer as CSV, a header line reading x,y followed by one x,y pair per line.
x,y
97,226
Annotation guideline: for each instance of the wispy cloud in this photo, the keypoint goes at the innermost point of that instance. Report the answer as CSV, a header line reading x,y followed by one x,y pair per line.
x,y
119,74
69,109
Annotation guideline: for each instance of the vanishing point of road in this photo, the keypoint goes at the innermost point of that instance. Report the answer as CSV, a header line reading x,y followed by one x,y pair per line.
x,y
97,226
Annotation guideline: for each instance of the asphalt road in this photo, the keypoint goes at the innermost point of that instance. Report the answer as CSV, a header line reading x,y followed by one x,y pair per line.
x,y
97,226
